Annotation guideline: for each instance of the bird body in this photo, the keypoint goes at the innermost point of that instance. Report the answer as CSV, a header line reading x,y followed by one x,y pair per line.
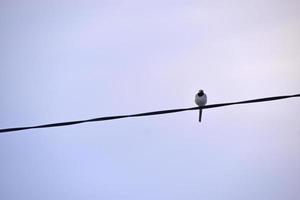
x,y
200,100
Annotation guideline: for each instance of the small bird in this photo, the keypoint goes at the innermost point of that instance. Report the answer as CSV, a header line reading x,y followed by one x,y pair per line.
x,y
200,100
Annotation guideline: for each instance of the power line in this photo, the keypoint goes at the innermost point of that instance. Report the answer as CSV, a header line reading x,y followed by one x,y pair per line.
x,y
148,113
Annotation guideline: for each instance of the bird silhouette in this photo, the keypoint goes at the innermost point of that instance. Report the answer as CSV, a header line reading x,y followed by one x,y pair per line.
x,y
200,100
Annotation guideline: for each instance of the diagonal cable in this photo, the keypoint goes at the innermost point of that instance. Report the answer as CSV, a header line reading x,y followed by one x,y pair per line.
x,y
148,113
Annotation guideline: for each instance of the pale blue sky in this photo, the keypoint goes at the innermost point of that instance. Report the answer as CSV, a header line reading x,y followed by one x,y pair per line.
x,y
67,60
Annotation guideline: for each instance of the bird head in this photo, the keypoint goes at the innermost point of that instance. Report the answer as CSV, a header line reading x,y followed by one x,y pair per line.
x,y
200,93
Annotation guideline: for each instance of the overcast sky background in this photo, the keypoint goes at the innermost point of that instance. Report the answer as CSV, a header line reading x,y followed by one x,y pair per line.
x,y
68,60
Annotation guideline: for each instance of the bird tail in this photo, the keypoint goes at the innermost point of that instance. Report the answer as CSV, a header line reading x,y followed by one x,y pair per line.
x,y
200,114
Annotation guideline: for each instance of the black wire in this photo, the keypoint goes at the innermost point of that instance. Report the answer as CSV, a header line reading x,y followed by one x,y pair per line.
x,y
148,113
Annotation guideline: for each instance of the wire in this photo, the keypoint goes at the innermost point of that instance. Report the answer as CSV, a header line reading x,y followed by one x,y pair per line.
x,y
148,113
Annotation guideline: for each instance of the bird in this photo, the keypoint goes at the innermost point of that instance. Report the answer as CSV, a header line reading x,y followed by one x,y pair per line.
x,y
200,100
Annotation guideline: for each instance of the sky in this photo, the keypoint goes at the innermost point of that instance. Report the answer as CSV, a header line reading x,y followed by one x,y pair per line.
x,y
70,60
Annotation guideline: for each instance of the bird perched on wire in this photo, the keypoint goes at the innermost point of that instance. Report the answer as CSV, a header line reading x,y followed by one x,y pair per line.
x,y
200,100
